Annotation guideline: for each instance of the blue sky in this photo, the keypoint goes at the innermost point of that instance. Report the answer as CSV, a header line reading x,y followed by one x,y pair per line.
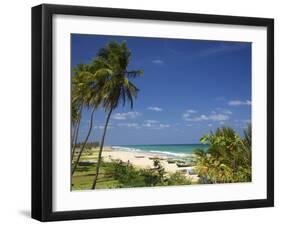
x,y
189,87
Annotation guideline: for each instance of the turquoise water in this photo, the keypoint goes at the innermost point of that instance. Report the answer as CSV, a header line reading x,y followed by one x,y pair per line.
x,y
165,149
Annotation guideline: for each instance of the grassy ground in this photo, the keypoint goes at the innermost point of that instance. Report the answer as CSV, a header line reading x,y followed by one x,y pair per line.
x,y
84,175
115,175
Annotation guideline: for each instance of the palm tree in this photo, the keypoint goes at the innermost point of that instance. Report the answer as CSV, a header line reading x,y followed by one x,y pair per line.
x,y
88,94
74,121
247,141
77,102
247,152
113,61
228,158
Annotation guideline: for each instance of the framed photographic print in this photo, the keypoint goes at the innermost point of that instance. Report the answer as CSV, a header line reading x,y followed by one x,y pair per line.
x,y
146,112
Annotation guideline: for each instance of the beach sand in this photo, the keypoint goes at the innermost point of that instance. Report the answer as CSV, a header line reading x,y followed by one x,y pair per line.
x,y
141,160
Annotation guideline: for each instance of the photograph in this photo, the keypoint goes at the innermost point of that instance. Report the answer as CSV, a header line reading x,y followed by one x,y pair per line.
x,y
150,112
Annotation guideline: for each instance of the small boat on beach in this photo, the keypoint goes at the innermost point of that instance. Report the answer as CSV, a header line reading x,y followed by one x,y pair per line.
x,y
180,161
187,164
155,158
171,161
139,156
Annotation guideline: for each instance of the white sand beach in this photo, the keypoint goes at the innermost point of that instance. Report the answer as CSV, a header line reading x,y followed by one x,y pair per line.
x,y
142,160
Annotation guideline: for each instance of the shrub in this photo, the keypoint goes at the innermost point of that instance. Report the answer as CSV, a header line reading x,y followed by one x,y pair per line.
x,y
125,173
228,158
178,178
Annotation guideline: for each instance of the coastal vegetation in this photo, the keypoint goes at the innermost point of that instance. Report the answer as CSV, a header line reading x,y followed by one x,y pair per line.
x,y
228,158
119,174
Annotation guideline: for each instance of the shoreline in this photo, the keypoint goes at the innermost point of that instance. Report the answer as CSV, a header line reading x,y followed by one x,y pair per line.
x,y
164,153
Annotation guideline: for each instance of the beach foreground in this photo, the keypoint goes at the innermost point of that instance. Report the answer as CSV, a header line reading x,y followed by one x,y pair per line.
x,y
145,160
82,179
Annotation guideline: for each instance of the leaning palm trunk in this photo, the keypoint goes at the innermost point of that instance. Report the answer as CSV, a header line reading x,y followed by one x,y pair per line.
x,y
100,151
74,129
74,141
85,142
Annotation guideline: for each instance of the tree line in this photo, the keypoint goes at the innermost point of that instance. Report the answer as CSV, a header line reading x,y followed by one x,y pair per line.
x,y
105,83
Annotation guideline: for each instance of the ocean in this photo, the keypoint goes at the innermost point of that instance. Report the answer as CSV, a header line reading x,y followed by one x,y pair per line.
x,y
176,150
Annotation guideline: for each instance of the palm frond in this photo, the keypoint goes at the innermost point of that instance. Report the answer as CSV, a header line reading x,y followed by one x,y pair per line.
x,y
134,74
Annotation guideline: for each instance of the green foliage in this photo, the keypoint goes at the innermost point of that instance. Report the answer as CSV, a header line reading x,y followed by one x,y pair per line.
x,y
83,177
228,158
74,114
125,174
119,174
113,77
104,83
178,178
154,176
129,176
151,178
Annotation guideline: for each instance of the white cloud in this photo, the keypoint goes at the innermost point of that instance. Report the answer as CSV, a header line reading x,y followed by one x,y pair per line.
x,y
228,112
164,125
155,109
156,125
212,117
127,115
186,117
239,102
147,125
247,121
191,111
210,125
151,121
218,117
102,127
130,125
157,61
222,110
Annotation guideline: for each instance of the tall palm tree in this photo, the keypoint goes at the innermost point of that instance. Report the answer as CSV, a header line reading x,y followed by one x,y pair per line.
x,y
74,121
88,94
77,102
113,61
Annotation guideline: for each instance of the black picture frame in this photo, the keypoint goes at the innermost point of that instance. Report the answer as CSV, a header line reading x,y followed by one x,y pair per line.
x,y
42,111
